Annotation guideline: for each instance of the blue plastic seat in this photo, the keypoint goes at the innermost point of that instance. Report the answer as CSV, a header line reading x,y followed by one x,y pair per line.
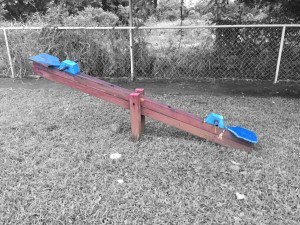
x,y
46,59
215,120
243,133
240,132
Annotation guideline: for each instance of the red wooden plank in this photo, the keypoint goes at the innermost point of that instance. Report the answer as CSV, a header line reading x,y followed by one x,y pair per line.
x,y
197,131
104,86
156,110
71,82
92,82
135,115
185,117
143,118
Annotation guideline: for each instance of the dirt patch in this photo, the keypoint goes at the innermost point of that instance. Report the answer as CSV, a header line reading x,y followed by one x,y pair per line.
x,y
221,87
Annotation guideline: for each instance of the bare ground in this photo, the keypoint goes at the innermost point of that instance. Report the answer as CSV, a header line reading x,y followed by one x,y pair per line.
x,y
217,88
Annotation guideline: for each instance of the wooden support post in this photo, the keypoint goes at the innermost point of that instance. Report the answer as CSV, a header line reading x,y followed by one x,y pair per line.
x,y
136,115
143,118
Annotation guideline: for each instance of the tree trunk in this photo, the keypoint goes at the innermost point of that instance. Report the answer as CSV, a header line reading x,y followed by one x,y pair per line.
x,y
155,4
105,5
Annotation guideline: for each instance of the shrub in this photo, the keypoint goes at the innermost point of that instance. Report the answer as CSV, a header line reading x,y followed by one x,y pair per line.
x,y
246,52
103,53
172,54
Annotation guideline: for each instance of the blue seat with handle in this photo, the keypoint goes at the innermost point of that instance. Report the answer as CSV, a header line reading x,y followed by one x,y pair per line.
x,y
240,132
68,66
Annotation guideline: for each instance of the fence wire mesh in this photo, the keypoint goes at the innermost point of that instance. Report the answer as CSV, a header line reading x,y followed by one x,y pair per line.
x,y
240,53
290,61
196,53
103,53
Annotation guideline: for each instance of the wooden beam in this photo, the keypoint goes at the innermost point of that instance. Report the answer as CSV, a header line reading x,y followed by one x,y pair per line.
x,y
91,82
143,119
136,116
63,78
141,106
185,117
219,139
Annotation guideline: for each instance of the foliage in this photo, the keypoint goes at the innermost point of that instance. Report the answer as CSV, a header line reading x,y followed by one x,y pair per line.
x,y
281,11
22,9
103,53
204,6
170,10
107,53
75,6
142,9
92,17
258,46
292,6
246,52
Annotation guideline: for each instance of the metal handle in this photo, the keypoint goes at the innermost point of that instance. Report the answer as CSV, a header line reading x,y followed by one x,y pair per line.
x,y
63,68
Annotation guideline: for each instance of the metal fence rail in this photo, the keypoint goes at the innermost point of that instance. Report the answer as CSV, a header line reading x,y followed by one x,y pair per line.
x,y
254,52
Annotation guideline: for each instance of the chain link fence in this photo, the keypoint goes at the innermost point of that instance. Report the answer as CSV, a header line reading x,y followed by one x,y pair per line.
x,y
181,53
234,53
290,60
104,53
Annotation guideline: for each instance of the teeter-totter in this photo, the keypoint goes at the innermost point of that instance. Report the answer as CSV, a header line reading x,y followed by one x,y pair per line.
x,y
211,128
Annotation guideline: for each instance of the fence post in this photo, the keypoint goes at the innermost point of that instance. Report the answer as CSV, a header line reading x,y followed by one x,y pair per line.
x,y
132,77
280,54
8,54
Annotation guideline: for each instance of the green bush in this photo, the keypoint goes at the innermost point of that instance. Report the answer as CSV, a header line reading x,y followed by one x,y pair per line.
x,y
102,53
246,52
172,53
216,53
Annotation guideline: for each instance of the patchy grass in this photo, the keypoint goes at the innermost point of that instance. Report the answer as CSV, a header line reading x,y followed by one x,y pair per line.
x,y
55,165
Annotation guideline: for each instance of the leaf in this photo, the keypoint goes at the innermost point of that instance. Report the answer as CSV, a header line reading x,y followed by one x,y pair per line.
x,y
240,196
235,163
120,181
115,156
234,168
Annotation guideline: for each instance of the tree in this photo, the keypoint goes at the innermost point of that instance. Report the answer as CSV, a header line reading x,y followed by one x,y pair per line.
x,y
283,11
21,9
292,9
74,6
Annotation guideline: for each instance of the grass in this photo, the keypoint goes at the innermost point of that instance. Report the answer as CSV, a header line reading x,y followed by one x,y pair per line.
x,y
55,166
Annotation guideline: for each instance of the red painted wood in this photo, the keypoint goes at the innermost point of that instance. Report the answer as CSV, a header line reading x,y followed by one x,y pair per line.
x,y
71,82
185,117
87,80
196,131
104,86
140,90
135,115
143,117
143,106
